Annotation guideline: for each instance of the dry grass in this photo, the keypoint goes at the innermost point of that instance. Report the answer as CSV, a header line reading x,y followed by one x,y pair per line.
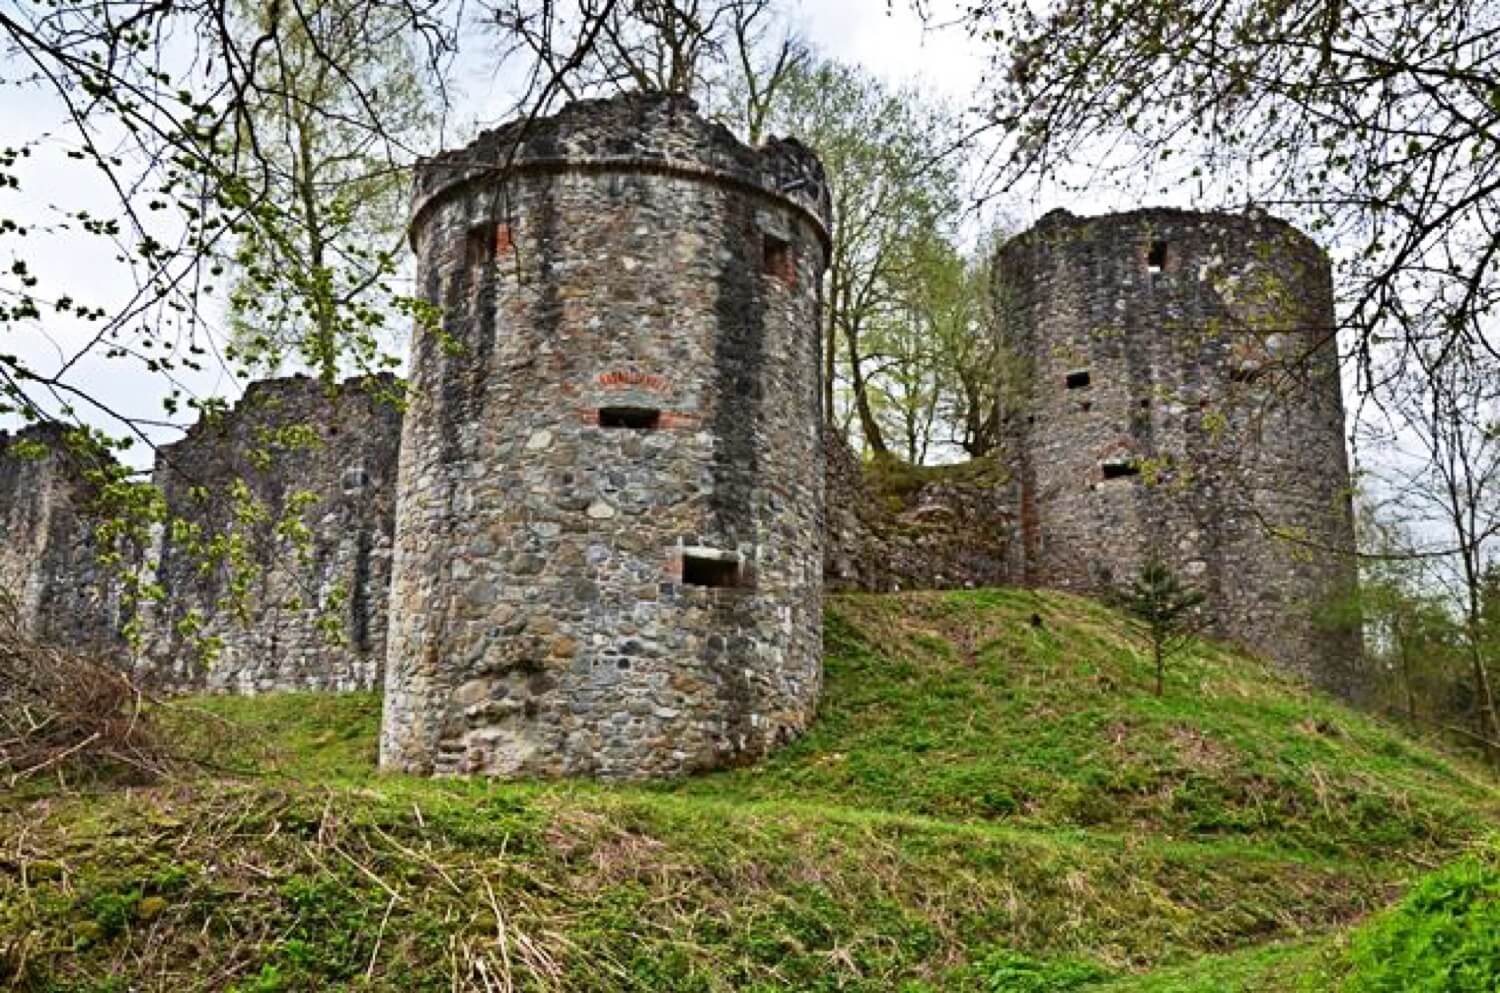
x,y
72,714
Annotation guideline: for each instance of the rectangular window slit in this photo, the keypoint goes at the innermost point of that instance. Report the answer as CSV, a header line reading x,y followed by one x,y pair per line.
x,y
479,247
777,260
1156,260
1121,469
633,418
1077,379
710,570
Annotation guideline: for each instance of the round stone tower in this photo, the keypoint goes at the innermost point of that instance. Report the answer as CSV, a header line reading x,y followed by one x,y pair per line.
x,y
608,551
1179,396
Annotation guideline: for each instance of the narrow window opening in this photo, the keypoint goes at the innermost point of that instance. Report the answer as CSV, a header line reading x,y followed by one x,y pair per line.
x,y
632,418
710,570
479,247
1077,379
1121,469
1086,406
1156,259
777,260
1145,403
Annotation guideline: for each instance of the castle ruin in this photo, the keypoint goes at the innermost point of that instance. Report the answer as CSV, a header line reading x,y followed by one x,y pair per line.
x,y
595,542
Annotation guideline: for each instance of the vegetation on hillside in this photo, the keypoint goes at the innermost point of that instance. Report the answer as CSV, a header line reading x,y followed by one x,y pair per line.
x,y
991,799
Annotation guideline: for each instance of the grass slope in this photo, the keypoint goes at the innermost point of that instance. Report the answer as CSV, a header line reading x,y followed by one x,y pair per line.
x,y
989,801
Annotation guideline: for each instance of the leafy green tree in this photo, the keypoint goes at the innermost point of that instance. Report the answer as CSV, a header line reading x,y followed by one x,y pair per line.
x,y
317,281
1413,643
1167,607
1442,438
937,364
974,369
893,181
176,130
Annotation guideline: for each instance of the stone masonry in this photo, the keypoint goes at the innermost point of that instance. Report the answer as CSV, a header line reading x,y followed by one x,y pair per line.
x,y
610,507
1182,399
275,559
49,562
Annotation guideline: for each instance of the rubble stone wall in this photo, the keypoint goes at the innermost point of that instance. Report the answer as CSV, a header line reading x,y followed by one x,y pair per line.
x,y
275,561
49,564
609,525
932,528
1182,399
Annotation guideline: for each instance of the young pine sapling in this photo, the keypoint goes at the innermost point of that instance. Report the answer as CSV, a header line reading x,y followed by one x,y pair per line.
x,y
1167,607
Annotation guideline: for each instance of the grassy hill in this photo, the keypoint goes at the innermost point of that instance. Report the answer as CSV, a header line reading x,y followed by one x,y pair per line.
x,y
990,801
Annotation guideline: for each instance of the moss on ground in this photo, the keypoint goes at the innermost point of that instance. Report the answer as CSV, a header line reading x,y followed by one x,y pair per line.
x,y
989,801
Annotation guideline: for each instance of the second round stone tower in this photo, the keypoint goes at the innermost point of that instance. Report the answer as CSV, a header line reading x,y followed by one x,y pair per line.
x,y
608,550
1178,397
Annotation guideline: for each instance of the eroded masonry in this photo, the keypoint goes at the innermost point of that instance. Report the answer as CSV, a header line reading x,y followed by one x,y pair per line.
x,y
595,542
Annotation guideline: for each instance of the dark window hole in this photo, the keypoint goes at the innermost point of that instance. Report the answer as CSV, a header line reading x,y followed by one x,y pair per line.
x,y
777,260
479,247
704,570
1077,380
1120,469
1085,406
633,418
1145,403
1156,259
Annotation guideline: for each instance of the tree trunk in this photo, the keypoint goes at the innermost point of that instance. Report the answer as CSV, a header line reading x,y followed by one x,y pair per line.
x,y
867,423
324,333
1489,727
830,354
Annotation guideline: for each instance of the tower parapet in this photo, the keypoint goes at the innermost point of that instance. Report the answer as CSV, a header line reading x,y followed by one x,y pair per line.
x,y
608,542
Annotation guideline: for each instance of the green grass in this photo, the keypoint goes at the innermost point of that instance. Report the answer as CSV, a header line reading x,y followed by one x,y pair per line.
x,y
984,804
1444,937
1273,968
969,711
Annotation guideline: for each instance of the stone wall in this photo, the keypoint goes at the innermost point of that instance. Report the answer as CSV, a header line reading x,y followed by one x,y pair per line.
x,y
49,563
901,527
275,563
1182,398
609,525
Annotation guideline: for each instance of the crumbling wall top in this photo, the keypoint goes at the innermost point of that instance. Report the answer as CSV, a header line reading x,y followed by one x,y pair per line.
x,y
633,132
1251,222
